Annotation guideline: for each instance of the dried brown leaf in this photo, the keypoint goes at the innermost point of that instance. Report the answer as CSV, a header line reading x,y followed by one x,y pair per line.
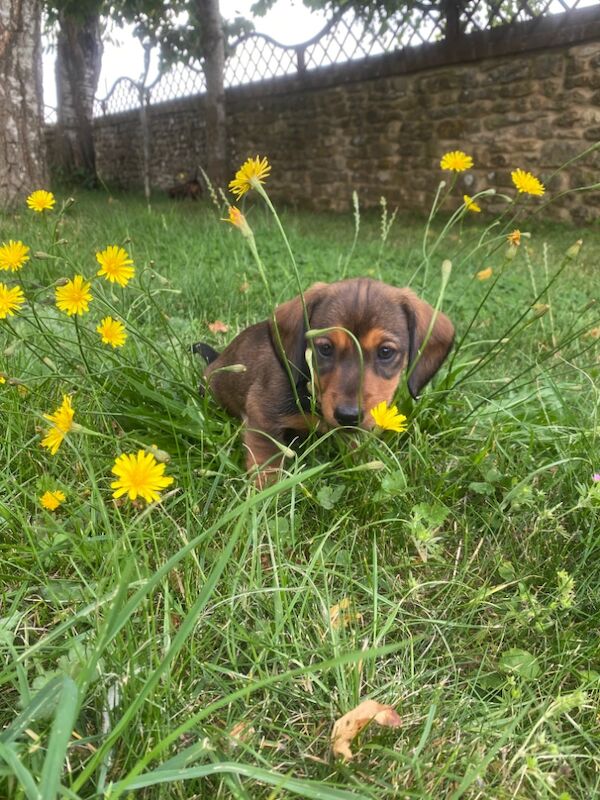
x,y
352,723
218,327
241,732
342,614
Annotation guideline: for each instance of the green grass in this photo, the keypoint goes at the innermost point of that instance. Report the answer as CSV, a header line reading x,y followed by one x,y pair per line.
x,y
133,639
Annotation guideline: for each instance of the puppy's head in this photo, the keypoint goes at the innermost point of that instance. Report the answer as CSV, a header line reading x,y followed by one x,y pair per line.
x,y
392,327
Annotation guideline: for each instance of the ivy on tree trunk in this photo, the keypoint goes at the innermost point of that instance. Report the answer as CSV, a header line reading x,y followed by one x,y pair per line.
x,y
22,147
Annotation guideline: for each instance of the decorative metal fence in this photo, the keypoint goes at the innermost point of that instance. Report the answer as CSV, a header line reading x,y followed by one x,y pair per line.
x,y
257,57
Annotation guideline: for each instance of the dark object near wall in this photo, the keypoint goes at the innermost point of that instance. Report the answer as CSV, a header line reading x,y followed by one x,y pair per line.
x,y
190,188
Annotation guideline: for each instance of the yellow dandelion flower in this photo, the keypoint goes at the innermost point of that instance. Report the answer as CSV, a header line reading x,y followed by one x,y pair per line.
x,y
112,332
11,300
116,266
62,423
74,297
13,255
456,161
484,274
527,183
388,419
52,500
250,175
470,204
41,200
139,474
2,379
514,238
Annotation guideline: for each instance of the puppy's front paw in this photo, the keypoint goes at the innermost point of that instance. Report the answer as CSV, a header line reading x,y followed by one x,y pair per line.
x,y
265,476
263,458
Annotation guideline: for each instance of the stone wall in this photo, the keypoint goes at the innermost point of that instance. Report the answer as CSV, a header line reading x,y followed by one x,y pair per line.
x,y
529,100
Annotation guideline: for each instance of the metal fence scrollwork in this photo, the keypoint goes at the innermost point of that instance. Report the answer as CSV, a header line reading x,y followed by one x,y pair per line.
x,y
257,57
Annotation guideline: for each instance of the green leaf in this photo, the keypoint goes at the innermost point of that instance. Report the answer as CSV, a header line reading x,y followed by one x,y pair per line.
x,y
305,788
434,514
521,663
481,487
507,571
328,496
25,778
62,727
46,698
394,483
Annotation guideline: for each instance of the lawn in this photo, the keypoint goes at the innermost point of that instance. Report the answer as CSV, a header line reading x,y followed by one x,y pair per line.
x,y
203,646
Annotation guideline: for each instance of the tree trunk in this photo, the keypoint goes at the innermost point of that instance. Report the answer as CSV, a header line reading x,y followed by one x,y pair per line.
x,y
78,63
213,51
22,148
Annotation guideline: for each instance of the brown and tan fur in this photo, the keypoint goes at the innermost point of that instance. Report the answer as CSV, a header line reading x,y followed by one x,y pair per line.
x,y
391,326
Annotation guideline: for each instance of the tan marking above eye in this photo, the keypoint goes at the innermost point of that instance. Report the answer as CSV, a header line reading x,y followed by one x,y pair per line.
x,y
339,340
375,338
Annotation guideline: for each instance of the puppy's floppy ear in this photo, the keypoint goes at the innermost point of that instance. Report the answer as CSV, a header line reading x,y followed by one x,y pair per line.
x,y
289,327
424,361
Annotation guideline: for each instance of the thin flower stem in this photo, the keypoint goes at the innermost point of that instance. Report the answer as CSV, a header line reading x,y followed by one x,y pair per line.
x,y
47,334
261,191
506,336
550,312
131,327
549,354
259,188
356,207
262,272
261,269
476,314
456,216
446,272
29,347
80,345
436,204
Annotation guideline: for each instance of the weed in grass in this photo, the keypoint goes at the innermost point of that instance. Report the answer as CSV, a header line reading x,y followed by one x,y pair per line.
x,y
203,644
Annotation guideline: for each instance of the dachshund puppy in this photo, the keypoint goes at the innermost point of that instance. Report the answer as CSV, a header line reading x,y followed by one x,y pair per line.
x,y
393,329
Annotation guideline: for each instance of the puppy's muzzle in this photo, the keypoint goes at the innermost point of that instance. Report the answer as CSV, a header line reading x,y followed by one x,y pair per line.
x,y
347,415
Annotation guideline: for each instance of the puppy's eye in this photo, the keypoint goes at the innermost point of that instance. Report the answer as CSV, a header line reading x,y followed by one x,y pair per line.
x,y
385,352
324,349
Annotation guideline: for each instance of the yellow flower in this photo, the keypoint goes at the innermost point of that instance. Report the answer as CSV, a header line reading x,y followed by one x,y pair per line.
x,y
388,419
11,300
235,217
527,183
139,475
514,238
52,500
13,255
470,204
112,332
2,379
484,274
62,422
41,200
116,265
456,161
239,220
74,297
250,175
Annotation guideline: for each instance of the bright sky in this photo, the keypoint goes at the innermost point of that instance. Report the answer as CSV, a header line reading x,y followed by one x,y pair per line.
x,y
287,22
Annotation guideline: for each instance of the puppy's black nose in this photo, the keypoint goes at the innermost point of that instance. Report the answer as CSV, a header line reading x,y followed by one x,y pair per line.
x,y
347,415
